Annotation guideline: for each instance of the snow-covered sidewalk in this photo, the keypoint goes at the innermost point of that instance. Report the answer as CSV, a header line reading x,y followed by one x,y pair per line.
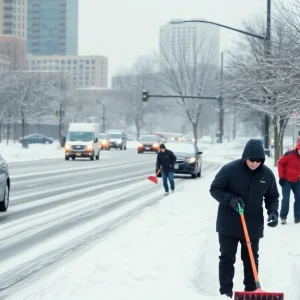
x,y
170,251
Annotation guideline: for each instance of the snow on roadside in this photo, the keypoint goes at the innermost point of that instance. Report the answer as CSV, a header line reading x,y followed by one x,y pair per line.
x,y
169,252
15,153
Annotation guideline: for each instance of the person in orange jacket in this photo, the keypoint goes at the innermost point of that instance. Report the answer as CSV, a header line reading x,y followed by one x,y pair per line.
x,y
289,179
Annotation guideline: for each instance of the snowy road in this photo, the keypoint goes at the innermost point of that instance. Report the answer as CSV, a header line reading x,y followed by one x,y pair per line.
x,y
58,208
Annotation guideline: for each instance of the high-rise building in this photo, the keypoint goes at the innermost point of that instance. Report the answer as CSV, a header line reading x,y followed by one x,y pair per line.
x,y
52,27
87,71
189,42
13,18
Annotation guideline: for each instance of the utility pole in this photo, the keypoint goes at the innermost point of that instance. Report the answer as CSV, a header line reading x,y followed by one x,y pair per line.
x,y
103,117
234,124
221,120
268,53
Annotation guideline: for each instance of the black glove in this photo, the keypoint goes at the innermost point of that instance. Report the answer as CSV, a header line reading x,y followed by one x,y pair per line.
x,y
272,220
233,203
281,181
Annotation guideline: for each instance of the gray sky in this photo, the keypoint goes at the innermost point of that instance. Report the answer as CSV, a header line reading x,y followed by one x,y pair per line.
x,y
126,29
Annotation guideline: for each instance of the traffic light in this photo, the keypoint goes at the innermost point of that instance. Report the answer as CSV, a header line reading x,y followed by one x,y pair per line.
x,y
145,96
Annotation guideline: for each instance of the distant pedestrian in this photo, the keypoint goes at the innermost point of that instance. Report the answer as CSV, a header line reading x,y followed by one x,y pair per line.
x,y
166,161
247,182
289,179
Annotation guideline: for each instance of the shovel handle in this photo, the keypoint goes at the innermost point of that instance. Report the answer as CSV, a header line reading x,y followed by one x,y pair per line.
x,y
248,243
158,172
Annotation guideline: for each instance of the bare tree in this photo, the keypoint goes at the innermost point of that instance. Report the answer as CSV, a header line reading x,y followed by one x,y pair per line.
x,y
189,69
141,76
267,84
30,94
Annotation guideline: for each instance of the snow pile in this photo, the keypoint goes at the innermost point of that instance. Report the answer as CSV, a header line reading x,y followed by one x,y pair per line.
x,y
170,251
15,153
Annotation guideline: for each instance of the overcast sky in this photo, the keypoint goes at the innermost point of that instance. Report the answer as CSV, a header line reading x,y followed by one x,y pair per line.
x,y
126,29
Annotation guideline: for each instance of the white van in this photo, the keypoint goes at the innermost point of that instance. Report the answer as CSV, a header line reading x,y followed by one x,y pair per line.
x,y
82,141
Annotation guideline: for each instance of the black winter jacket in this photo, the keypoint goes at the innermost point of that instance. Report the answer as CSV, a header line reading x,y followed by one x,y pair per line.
x,y
166,160
236,179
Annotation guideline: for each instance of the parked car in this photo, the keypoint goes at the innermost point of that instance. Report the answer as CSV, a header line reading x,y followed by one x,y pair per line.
x,y
118,139
189,158
149,143
36,139
104,141
4,185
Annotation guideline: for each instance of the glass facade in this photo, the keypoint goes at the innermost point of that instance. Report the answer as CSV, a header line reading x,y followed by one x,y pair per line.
x,y
48,30
72,27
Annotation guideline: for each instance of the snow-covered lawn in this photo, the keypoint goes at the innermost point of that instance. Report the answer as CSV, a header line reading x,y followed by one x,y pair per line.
x,y
15,153
170,251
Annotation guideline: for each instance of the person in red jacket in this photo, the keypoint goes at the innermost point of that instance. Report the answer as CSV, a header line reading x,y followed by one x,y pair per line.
x,y
289,179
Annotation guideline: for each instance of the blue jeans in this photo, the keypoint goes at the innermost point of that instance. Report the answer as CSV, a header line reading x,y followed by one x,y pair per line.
x,y
168,176
285,204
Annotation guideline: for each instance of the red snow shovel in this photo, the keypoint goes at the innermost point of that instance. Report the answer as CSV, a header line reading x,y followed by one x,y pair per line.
x,y
154,178
258,294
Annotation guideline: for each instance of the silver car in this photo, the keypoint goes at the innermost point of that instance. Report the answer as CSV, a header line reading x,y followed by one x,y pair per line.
x,y
4,185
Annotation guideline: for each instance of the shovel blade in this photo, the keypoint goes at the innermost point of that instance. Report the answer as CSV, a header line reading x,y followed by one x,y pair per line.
x,y
153,179
258,295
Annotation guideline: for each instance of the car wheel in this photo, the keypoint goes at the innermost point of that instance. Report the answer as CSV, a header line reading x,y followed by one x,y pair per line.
x,y
67,157
199,173
93,157
194,176
46,142
5,202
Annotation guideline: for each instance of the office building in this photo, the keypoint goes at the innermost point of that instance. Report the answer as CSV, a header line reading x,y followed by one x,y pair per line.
x,y
189,41
52,27
13,18
88,71
14,49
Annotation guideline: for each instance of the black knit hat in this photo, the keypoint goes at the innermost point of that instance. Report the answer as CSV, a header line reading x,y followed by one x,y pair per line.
x,y
162,146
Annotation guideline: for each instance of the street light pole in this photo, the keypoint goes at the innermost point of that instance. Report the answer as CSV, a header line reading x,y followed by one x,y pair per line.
x,y
221,121
266,38
268,51
103,117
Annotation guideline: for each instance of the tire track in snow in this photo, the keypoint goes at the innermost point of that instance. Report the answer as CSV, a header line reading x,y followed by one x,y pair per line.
x,y
47,226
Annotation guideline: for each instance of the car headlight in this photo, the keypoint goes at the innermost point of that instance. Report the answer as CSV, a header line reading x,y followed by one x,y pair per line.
x,y
140,145
67,147
89,147
155,145
191,160
103,142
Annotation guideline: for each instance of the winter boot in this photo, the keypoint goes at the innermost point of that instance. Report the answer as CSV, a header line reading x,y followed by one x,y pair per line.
x,y
166,193
297,221
283,221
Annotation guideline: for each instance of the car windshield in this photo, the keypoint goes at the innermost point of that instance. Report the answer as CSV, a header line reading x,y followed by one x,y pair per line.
x,y
181,147
115,135
80,136
149,138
